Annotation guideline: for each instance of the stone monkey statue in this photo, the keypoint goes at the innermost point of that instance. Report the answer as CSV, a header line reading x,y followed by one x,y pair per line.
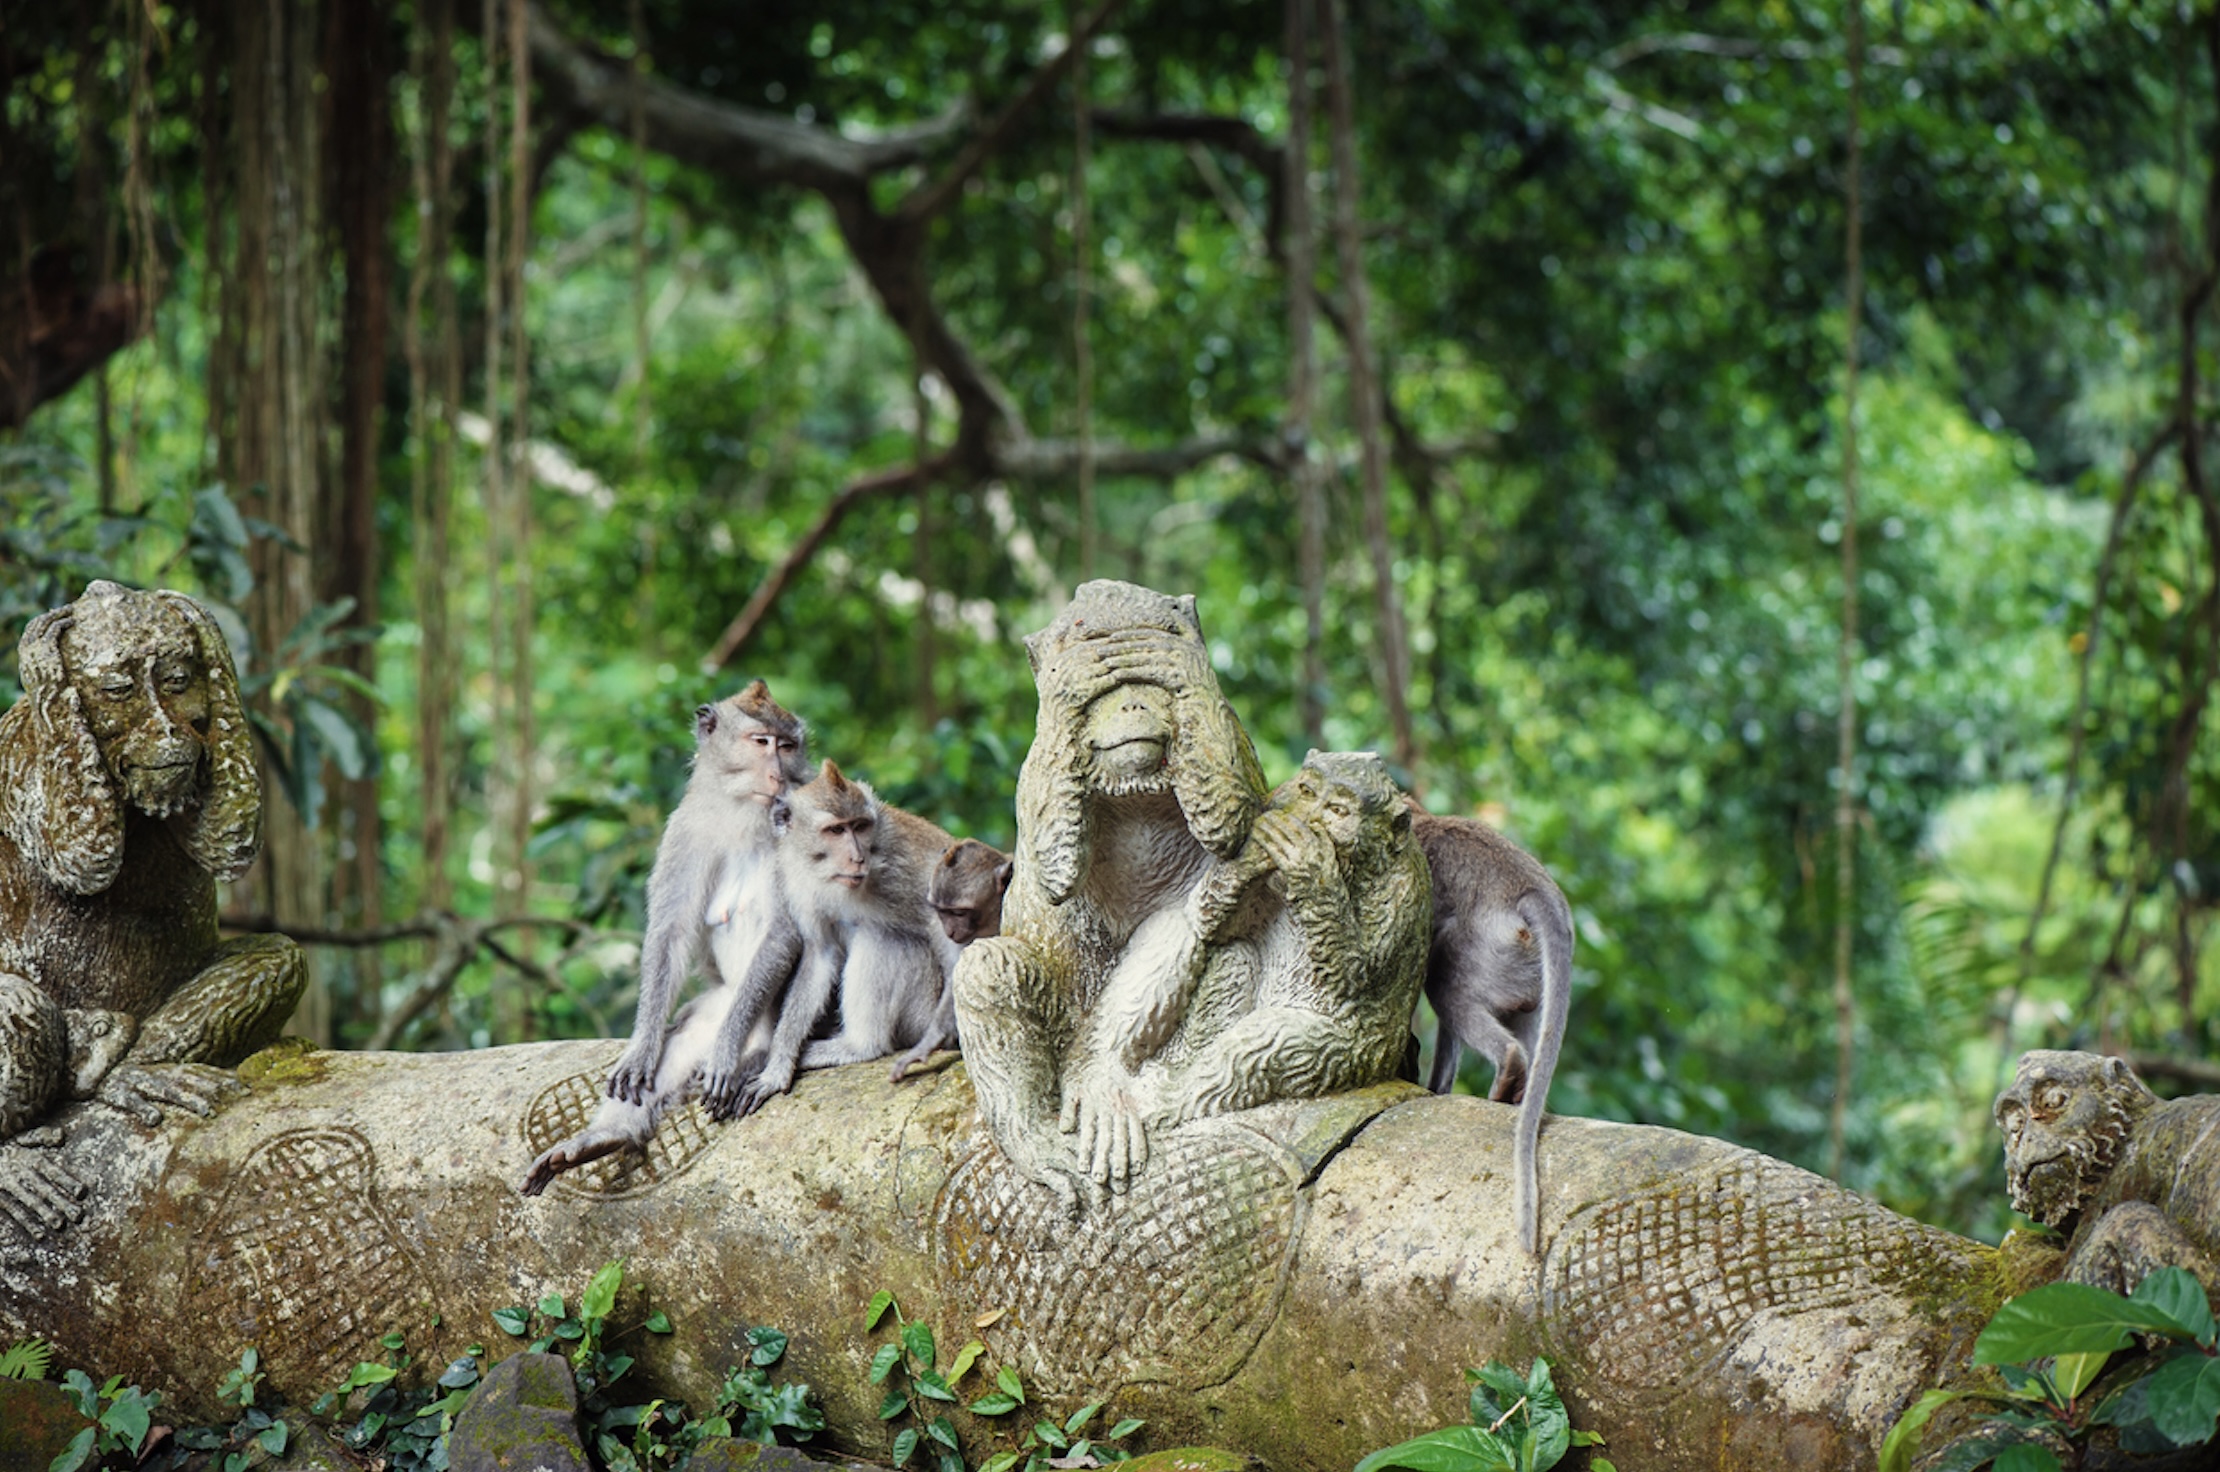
x,y
1138,778
1499,975
127,790
712,897
2134,1181
854,873
1285,976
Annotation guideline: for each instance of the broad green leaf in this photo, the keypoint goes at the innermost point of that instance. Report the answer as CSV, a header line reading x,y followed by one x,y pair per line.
x,y
917,1338
1902,1443
76,1454
2025,1457
1452,1449
1007,1378
273,1440
770,1347
336,734
658,1323
601,1293
999,1462
894,1405
943,1431
552,1306
516,1320
905,1443
1126,1428
2074,1373
2176,1293
965,1359
2068,1318
1081,1417
881,1301
128,1418
993,1403
1048,1433
933,1387
883,1363
2185,1398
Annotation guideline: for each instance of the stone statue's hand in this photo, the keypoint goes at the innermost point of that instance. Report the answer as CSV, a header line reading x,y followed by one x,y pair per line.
x,y
1301,854
633,1078
144,1091
1105,1115
38,1194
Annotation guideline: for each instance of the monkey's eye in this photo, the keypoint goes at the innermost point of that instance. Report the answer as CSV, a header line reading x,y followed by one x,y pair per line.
x,y
175,679
116,686
2052,1099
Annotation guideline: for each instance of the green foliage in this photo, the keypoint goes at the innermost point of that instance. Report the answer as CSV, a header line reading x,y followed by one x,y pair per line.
x,y
918,1387
26,1359
407,1425
1519,1424
2054,1347
121,1416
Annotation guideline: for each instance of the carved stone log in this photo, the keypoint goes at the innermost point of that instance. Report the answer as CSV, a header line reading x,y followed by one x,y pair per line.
x,y
1303,1282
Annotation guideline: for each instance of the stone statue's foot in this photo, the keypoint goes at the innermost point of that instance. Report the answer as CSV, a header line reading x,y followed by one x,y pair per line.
x,y
144,1091
39,1195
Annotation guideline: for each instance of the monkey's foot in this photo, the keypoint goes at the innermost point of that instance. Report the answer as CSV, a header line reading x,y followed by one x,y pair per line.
x,y
572,1153
939,1050
144,1091
756,1090
39,1195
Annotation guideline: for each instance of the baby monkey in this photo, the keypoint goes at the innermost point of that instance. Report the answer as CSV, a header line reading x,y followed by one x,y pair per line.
x,y
966,892
1499,975
711,897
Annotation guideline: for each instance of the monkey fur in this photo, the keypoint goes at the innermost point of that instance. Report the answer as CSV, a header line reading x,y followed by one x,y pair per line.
x,y
1499,976
855,874
712,897
966,893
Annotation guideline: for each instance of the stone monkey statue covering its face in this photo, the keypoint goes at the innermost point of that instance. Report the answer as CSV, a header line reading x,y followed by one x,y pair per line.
x,y
127,789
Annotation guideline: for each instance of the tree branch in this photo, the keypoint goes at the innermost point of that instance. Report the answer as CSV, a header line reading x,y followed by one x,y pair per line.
x,y
1735,47
928,200
742,142
1049,459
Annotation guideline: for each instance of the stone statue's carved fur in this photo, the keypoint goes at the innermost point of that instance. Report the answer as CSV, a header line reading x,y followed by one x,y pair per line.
x,y
1143,976
2133,1180
127,789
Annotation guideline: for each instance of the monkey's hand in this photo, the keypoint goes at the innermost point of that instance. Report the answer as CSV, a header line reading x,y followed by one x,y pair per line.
x,y
143,1091
723,1083
633,1077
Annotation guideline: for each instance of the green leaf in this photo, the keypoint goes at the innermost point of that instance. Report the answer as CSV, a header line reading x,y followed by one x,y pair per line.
x,y
1081,1417
943,1431
516,1320
552,1306
129,1417
2185,1399
76,1454
904,1444
1452,1449
2074,1373
82,1390
658,1323
894,1405
2068,1318
1125,1428
883,1363
999,1462
1007,1379
365,1374
2025,1457
1051,1434
26,1360
2176,1293
965,1358
1902,1442
917,1338
601,1292
770,1347
337,734
933,1387
273,1440
881,1301
993,1403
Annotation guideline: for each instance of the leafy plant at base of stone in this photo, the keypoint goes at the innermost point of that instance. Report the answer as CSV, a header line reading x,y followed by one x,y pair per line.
x,y
914,1357
255,1437
1519,1424
121,1415
660,1433
409,1426
2050,1345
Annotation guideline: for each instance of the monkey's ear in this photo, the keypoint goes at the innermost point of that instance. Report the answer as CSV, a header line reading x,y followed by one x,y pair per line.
x,y
225,831
831,776
57,799
2116,1071
1003,875
705,721
1185,603
1399,820
756,691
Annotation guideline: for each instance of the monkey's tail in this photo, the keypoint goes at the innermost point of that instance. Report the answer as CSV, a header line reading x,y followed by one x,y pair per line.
x,y
1546,914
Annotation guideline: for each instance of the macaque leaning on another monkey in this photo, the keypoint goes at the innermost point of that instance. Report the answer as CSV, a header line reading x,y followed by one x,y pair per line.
x,y
856,924
966,892
1499,975
712,896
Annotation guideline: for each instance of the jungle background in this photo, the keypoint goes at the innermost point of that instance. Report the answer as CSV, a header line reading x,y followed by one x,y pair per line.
x,y
514,377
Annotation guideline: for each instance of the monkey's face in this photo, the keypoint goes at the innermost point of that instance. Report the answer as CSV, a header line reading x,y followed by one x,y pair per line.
x,y
143,688
1129,730
2064,1119
840,847
967,891
755,761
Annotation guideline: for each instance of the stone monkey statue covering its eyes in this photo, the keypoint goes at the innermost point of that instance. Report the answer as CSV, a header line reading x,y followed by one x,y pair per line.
x,y
127,789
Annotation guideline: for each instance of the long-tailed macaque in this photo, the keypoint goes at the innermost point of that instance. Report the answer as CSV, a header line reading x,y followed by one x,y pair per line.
x,y
712,897
855,874
966,893
1499,975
